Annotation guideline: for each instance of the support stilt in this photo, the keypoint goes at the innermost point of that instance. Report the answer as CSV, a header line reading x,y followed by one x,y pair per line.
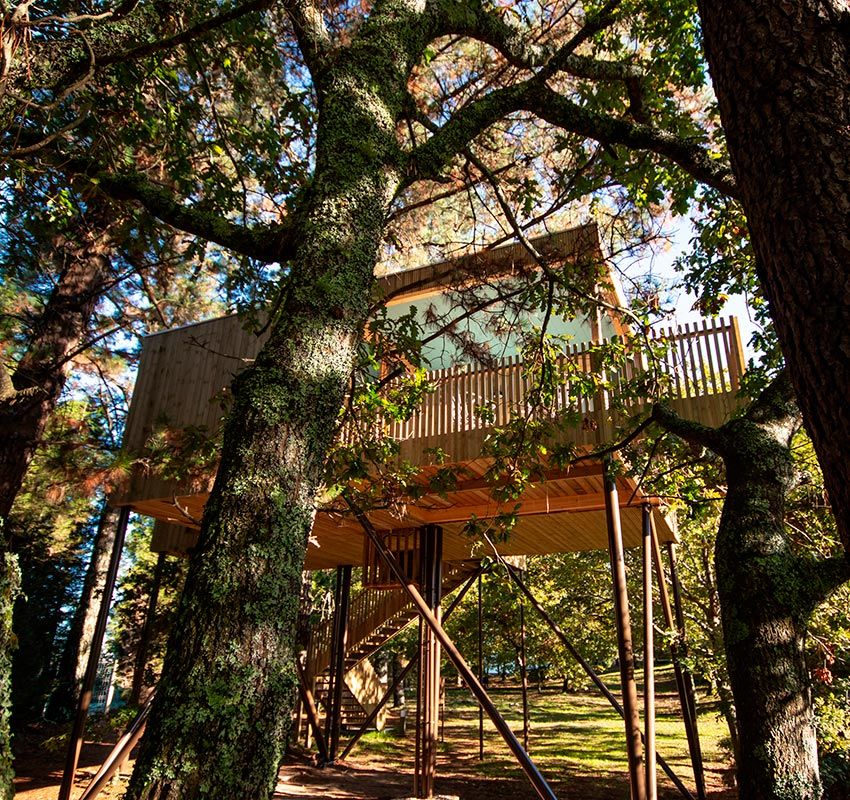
x,y
429,660
480,672
118,755
343,576
397,681
76,742
523,674
539,783
648,658
687,679
624,635
591,673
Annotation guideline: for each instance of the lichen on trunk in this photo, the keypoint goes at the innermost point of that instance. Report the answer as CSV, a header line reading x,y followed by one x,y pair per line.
x,y
222,709
767,593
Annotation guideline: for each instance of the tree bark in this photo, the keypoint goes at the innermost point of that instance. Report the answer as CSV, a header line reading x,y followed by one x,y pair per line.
x,y
28,396
229,671
767,594
781,71
76,651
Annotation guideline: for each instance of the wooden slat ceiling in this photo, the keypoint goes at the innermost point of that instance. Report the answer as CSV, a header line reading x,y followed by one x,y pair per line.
x,y
564,514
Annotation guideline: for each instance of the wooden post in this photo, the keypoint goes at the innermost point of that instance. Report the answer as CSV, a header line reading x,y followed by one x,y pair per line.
x,y
118,755
402,674
343,576
687,678
523,674
544,791
648,658
625,648
76,742
431,556
480,673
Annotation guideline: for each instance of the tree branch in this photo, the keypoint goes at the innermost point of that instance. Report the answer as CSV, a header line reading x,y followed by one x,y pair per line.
x,y
533,95
819,578
268,243
690,431
311,33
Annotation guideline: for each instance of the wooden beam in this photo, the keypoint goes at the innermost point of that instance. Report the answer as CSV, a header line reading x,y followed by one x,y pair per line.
x,y
550,505
624,637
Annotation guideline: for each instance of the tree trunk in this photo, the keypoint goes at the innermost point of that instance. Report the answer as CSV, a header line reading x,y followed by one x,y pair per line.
x,y
142,651
767,594
223,706
76,651
764,624
781,72
29,395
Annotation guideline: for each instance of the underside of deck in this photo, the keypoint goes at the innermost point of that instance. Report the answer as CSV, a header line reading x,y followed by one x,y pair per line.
x,y
564,513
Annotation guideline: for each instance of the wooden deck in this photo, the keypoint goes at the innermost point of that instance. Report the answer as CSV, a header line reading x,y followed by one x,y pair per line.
x,y
183,381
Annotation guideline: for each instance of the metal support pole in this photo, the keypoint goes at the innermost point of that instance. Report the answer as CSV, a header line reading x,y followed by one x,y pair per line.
x,y
480,672
687,678
648,657
523,674
329,687
591,673
341,636
625,648
532,773
431,555
76,742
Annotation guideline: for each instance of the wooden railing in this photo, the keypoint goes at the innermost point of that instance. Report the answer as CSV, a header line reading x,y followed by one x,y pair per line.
x,y
703,363
368,611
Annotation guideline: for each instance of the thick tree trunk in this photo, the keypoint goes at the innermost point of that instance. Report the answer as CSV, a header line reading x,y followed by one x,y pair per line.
x,y
222,710
767,594
78,645
764,624
781,71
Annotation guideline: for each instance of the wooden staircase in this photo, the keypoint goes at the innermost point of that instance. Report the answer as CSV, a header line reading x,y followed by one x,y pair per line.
x,y
375,616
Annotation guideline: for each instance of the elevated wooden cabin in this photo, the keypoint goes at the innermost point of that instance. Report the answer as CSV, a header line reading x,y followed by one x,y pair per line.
x,y
183,378
184,375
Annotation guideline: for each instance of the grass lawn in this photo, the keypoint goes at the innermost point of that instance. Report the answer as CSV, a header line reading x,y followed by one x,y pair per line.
x,y
575,739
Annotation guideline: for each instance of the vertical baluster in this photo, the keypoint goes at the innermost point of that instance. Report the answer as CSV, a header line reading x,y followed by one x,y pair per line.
x,y
722,364
708,334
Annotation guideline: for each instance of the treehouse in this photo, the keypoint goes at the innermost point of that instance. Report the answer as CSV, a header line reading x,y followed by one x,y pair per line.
x,y
413,556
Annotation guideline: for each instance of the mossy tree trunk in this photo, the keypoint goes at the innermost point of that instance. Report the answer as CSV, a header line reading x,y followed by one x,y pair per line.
x,y
781,72
223,705
767,594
